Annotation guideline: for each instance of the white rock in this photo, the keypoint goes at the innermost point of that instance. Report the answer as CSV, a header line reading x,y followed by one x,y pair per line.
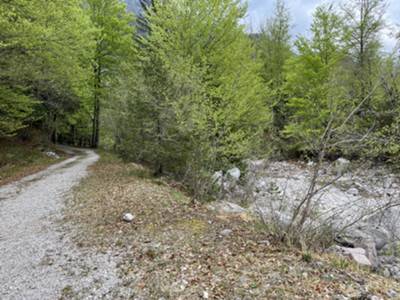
x,y
128,217
52,154
205,295
234,173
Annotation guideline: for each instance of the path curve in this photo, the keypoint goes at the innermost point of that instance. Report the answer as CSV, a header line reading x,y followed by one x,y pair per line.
x,y
38,260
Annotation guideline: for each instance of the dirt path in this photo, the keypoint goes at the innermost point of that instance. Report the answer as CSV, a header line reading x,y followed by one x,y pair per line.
x,y
37,258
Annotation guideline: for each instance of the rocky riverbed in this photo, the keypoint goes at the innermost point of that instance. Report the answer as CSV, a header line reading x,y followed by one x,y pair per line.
x,y
360,202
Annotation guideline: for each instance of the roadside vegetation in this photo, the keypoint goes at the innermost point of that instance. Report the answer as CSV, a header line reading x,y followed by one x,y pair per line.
x,y
19,159
175,248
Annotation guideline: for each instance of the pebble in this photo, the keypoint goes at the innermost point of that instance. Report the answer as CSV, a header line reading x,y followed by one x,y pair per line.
x,y
128,217
392,294
226,232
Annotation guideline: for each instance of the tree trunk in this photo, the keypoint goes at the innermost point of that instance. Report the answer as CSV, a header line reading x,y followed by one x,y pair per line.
x,y
96,107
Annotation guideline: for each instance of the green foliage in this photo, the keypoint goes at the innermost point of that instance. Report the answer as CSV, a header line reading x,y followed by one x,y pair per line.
x,y
315,99
274,49
198,103
114,48
45,49
15,110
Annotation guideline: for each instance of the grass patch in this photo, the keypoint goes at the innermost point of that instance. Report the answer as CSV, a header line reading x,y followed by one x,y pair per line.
x,y
174,248
19,159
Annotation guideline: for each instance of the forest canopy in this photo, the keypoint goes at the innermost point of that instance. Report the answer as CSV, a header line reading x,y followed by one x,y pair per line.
x,y
185,88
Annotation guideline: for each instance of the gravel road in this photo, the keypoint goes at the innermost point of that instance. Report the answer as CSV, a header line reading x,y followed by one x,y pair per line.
x,y
38,259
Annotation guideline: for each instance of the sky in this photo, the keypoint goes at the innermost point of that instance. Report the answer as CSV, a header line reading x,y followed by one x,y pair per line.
x,y
301,13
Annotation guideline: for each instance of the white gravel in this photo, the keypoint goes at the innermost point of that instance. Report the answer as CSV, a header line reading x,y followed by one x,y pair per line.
x,y
38,260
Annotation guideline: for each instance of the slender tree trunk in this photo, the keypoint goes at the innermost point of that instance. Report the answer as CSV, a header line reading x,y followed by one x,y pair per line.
x,y
96,107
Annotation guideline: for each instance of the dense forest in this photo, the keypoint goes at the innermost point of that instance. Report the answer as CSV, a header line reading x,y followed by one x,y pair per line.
x,y
186,89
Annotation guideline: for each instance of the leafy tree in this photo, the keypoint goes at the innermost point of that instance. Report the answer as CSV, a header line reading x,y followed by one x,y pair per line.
x,y
44,50
274,50
312,76
274,46
199,104
15,110
364,21
114,44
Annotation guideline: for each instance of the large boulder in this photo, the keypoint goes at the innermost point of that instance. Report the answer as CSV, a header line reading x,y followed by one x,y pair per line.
x,y
369,239
358,255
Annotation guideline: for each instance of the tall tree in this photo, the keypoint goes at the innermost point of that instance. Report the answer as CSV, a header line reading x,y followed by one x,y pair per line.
x,y
274,45
44,50
199,104
365,22
274,49
312,77
114,44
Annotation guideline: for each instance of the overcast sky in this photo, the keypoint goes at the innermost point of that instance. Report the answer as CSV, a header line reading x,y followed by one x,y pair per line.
x,y
301,12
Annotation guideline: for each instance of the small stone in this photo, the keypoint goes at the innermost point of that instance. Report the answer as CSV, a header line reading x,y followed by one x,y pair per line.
x,y
265,242
234,173
205,295
340,297
386,273
52,154
310,163
392,294
128,217
342,165
226,232
353,192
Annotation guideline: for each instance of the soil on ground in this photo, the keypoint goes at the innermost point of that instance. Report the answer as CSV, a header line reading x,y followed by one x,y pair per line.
x,y
176,248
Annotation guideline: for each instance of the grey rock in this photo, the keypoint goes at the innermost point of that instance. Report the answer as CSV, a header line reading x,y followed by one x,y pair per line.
x,y
380,236
392,294
386,273
359,255
227,207
226,232
353,191
342,165
52,154
390,249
